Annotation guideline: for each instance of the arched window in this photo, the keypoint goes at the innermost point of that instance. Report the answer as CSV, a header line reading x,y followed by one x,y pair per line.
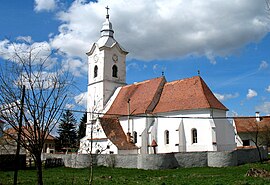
x,y
135,137
95,71
194,135
114,71
167,137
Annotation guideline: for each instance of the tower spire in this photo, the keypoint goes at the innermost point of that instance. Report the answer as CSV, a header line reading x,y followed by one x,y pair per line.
x,y
107,26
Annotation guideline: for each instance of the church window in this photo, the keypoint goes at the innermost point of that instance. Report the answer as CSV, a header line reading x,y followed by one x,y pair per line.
x,y
114,71
95,71
135,137
194,136
167,135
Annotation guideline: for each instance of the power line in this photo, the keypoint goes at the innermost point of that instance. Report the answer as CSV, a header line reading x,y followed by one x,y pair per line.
x,y
152,115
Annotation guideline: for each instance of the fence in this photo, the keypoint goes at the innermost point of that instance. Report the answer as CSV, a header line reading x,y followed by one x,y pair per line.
x,y
164,161
7,162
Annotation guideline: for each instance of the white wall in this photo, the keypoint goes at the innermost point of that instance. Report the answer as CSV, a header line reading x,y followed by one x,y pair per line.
x,y
104,146
203,126
225,135
212,135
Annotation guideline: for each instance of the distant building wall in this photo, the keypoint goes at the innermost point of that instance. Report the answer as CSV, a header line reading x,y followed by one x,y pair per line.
x,y
163,161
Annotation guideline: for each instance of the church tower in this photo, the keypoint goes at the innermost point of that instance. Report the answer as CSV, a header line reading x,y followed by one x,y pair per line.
x,y
106,68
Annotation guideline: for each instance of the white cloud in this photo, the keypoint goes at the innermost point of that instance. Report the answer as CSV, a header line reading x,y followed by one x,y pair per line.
x,y
75,66
24,45
263,65
44,5
69,106
265,107
24,39
223,97
268,89
161,29
132,66
81,99
251,93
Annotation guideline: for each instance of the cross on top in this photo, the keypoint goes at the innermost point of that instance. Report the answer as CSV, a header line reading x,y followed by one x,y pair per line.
x,y
107,16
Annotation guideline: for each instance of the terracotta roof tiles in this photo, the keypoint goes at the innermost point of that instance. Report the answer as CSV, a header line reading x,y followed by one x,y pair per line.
x,y
251,125
143,97
187,94
115,133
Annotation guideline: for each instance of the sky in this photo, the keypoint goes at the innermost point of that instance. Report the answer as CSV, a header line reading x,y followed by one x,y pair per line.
x,y
227,41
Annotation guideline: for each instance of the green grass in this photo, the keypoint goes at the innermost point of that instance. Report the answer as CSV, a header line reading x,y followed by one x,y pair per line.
x,y
103,175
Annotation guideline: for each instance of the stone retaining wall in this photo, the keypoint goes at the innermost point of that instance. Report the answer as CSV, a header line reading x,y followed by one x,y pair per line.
x,y
163,161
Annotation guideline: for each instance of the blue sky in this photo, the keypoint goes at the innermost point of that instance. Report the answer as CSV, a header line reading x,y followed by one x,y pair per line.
x,y
227,41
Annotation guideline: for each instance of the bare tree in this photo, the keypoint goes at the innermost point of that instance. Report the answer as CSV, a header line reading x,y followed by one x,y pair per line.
x,y
35,67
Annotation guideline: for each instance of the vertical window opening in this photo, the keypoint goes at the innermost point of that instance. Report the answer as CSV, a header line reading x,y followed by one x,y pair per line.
x,y
167,135
95,71
135,137
194,136
114,71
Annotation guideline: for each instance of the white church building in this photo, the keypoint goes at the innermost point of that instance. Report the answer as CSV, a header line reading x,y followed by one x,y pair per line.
x,y
152,116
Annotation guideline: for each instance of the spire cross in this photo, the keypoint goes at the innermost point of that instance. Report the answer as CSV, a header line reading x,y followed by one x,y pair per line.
x,y
107,16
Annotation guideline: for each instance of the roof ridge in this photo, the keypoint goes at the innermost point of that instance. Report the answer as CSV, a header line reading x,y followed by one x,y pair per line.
x,y
157,95
142,82
203,91
206,88
183,79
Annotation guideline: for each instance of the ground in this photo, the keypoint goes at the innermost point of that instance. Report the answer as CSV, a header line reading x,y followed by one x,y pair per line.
x,y
103,175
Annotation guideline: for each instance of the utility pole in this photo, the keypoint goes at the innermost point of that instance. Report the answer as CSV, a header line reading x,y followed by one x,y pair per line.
x,y
19,138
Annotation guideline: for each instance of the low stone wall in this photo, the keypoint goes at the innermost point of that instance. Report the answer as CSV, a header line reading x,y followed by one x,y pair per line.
x,y
222,159
157,161
250,155
191,159
163,161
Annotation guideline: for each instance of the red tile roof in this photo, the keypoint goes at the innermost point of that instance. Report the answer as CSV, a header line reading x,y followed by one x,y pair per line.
x,y
143,97
157,96
251,125
115,133
27,132
187,94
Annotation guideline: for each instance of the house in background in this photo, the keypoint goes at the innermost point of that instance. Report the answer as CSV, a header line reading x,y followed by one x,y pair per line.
x,y
250,130
152,116
9,143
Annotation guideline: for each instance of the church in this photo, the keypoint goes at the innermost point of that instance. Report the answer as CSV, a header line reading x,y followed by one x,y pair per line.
x,y
149,117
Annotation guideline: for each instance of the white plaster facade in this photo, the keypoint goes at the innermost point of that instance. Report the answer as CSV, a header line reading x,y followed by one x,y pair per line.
x,y
212,134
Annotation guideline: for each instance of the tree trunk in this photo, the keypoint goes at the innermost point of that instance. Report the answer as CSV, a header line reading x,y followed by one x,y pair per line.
x,y
39,169
259,152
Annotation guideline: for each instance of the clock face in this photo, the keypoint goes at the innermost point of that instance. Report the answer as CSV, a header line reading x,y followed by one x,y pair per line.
x,y
95,58
115,58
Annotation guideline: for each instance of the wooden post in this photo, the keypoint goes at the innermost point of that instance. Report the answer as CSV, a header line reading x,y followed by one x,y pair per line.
x,y
17,159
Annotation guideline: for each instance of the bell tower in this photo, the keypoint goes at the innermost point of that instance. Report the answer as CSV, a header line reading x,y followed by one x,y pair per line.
x,y
106,68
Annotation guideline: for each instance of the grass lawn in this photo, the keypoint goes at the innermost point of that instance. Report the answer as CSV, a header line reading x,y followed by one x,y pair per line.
x,y
103,175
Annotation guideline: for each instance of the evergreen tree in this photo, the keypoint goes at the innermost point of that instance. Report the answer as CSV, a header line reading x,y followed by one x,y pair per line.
x,y
82,127
67,131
